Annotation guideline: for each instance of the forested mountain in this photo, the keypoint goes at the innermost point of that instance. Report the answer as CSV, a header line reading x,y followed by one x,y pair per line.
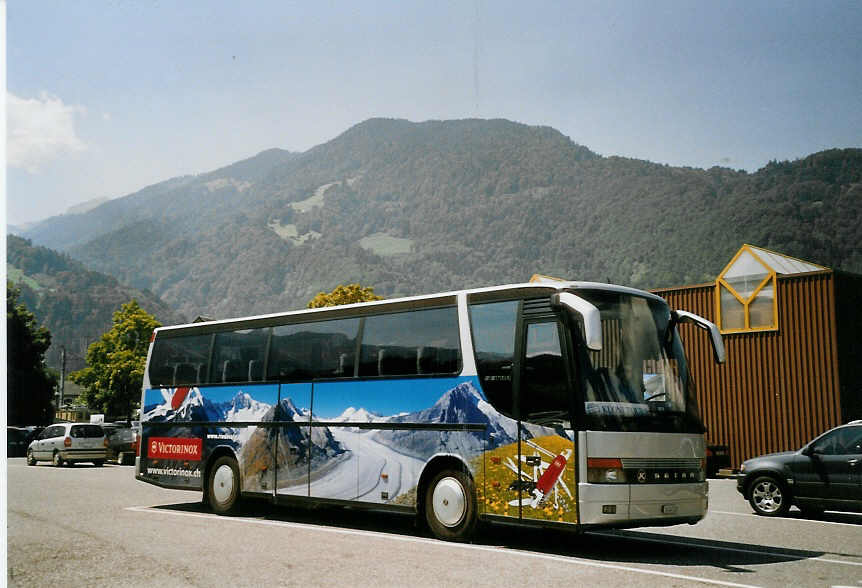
x,y
75,304
412,208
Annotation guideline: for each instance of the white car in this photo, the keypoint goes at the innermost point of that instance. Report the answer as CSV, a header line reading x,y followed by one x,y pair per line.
x,y
69,443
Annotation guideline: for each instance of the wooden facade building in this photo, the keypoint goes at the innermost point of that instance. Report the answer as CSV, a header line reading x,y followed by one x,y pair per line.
x,y
793,335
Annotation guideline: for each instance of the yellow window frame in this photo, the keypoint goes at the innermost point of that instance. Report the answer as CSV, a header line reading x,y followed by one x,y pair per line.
x,y
771,278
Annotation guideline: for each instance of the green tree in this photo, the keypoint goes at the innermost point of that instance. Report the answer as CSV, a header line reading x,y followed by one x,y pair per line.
x,y
348,294
30,386
112,380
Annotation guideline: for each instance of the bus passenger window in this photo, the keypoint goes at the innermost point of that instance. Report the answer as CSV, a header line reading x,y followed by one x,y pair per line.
x,y
493,327
411,343
233,352
180,361
306,351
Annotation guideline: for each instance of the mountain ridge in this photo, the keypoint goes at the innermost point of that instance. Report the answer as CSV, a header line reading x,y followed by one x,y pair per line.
x,y
75,303
412,208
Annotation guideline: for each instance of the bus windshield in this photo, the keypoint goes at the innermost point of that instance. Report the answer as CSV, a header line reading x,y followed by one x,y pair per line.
x,y
639,381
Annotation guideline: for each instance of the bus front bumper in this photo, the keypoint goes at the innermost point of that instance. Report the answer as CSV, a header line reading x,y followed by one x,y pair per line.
x,y
641,505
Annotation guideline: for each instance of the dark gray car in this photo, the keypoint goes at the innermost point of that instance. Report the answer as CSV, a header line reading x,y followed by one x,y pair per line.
x,y
826,474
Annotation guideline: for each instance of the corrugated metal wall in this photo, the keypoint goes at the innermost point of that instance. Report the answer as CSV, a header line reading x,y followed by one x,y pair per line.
x,y
777,389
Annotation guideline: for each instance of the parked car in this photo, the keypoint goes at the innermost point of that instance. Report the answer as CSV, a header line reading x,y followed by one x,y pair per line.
x,y
826,474
121,442
17,439
69,443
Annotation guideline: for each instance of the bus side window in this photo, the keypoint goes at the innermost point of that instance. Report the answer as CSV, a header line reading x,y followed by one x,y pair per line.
x,y
255,370
305,351
233,352
411,343
185,374
171,355
493,326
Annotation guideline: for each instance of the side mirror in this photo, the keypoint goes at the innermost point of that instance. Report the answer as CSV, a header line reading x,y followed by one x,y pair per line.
x,y
811,451
591,315
682,316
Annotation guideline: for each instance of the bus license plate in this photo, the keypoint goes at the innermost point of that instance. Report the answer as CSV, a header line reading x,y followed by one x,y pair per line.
x,y
668,508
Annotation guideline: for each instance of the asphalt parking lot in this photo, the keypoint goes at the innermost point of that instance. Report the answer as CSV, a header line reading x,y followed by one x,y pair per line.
x,y
85,525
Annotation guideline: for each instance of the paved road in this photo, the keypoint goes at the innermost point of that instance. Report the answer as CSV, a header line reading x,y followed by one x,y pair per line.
x,y
87,526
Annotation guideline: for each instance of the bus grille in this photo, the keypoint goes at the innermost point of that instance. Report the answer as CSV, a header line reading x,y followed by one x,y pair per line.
x,y
651,463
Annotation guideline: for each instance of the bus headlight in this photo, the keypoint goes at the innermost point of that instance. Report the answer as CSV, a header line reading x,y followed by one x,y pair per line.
x,y
605,470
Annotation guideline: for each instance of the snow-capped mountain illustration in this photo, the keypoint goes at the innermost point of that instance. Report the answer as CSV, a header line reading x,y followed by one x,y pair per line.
x,y
242,407
188,404
294,446
359,415
183,404
461,404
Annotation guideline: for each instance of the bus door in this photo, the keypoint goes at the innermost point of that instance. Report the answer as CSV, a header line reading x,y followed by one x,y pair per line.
x,y
291,439
546,443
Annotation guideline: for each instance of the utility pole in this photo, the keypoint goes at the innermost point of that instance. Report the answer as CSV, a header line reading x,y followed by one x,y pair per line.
x,y
62,374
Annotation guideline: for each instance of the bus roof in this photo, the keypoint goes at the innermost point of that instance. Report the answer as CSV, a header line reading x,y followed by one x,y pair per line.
x,y
552,285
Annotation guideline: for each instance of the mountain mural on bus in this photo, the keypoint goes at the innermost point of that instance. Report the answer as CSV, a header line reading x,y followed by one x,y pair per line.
x,y
332,453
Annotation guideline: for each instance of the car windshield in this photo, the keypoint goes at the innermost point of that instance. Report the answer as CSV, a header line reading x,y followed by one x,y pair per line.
x,y
639,380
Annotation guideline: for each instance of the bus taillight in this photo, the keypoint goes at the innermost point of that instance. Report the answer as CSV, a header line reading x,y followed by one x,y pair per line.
x,y
605,470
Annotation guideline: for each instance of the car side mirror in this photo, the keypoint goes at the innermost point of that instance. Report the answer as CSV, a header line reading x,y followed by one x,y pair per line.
x,y
811,451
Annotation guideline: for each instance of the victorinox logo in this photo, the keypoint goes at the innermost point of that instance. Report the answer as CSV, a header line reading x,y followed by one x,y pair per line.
x,y
175,448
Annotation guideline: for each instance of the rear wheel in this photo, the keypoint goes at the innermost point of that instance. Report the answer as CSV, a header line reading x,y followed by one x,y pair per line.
x,y
450,506
98,462
769,497
30,459
57,460
223,486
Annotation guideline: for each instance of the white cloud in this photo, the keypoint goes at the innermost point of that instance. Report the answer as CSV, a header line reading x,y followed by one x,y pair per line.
x,y
40,130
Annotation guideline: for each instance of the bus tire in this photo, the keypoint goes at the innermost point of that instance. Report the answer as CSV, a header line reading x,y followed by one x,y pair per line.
x,y
450,505
223,491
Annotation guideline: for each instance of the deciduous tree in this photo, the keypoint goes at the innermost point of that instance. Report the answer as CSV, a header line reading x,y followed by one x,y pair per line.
x,y
112,380
348,294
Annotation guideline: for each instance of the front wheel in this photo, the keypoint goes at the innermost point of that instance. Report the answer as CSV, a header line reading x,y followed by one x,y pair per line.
x,y
31,461
769,497
99,463
450,506
223,486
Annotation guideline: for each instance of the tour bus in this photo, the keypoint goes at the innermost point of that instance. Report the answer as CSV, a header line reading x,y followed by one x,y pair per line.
x,y
547,403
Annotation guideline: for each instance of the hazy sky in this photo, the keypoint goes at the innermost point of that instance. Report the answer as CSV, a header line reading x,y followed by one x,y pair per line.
x,y
106,97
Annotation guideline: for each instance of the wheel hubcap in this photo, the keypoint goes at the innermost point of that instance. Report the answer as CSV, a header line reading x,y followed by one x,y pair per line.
x,y
223,482
767,496
449,501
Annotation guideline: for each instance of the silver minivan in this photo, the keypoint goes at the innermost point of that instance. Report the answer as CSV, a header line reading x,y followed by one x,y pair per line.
x,y
69,443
